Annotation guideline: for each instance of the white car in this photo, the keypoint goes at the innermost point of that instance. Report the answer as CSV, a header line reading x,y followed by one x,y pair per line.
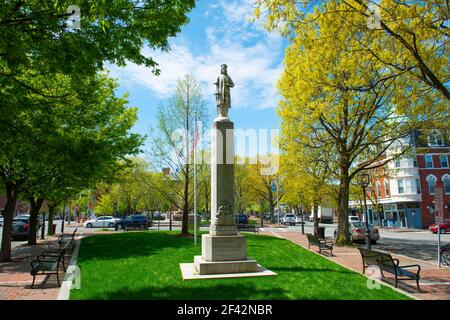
x,y
289,219
298,219
352,219
1,221
101,222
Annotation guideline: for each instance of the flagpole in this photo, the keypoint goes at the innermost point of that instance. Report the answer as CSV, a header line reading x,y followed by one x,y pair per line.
x,y
195,180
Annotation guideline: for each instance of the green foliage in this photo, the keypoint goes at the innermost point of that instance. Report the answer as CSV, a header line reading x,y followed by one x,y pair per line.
x,y
104,206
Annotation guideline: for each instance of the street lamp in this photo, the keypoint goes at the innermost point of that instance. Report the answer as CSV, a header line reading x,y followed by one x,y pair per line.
x,y
363,181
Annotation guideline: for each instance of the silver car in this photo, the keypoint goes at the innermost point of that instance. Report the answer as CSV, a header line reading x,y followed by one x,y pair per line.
x,y
289,219
358,232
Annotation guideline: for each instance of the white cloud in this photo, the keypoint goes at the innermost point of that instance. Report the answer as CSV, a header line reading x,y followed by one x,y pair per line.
x,y
252,56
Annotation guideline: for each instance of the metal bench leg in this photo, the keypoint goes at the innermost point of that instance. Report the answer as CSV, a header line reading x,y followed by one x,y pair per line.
x,y
57,277
417,282
32,284
396,281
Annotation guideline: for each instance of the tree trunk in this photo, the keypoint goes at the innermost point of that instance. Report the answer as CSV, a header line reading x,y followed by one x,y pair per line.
x,y
35,206
51,215
316,217
12,192
185,224
343,236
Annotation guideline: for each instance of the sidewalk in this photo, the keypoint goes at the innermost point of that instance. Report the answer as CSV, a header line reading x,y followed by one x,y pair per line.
x,y
434,282
15,278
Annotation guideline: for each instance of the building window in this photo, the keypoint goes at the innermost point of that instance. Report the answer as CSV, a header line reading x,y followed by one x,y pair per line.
x,y
435,139
428,161
431,184
386,188
418,186
446,180
415,163
444,160
378,189
401,188
397,163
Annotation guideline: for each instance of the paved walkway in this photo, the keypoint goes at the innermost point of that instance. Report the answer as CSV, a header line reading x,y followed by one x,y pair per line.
x,y
434,282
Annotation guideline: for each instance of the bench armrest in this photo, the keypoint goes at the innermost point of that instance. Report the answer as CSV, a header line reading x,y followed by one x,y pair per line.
x,y
411,266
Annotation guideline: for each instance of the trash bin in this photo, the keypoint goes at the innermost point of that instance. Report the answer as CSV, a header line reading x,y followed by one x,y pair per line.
x,y
54,228
321,232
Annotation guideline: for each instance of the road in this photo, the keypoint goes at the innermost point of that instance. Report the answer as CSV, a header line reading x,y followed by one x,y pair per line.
x,y
416,244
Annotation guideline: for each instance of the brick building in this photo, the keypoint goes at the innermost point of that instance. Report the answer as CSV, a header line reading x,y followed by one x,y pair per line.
x,y
412,191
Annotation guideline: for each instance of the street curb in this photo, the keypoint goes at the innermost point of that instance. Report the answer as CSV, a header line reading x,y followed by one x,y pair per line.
x,y
328,258
64,291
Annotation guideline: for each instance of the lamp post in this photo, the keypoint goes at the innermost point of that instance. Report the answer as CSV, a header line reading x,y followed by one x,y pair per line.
x,y
363,181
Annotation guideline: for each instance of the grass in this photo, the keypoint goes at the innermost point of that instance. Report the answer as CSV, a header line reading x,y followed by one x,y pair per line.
x,y
145,265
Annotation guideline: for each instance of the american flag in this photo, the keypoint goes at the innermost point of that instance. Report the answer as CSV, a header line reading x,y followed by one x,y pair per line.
x,y
195,139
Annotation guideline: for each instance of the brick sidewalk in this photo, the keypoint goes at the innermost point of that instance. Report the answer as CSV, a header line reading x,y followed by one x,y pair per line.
x,y
15,277
434,282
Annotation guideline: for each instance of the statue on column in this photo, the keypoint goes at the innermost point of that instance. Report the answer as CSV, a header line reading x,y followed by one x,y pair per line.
x,y
223,97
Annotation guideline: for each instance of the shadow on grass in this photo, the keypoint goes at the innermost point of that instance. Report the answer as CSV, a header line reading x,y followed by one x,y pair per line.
x,y
218,292
130,244
301,269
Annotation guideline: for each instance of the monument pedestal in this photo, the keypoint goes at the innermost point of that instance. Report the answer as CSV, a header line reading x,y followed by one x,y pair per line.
x,y
223,254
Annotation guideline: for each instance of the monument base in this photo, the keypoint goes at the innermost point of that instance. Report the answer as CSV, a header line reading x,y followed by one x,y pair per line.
x,y
220,267
224,248
188,272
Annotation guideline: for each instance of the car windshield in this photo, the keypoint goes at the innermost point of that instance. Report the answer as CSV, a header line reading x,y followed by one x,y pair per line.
x,y
361,225
20,220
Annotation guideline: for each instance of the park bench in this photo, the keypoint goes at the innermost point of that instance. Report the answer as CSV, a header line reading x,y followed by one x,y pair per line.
x,y
65,246
248,227
47,264
321,244
63,239
386,263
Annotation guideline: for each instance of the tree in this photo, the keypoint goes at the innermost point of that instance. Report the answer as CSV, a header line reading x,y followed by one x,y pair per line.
x,y
172,147
36,35
408,38
262,175
105,205
307,174
76,140
338,98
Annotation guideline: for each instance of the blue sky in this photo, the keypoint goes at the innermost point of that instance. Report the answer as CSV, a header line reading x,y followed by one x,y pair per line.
x,y
219,32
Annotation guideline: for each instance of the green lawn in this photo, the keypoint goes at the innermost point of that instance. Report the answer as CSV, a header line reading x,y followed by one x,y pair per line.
x,y
145,265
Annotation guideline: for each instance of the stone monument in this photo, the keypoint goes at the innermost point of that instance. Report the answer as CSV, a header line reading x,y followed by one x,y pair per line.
x,y
224,250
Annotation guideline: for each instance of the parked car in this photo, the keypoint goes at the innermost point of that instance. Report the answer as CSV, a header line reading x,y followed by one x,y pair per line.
x,y
298,219
21,228
289,219
241,219
27,216
358,232
101,222
445,255
353,219
134,221
158,216
1,221
444,227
